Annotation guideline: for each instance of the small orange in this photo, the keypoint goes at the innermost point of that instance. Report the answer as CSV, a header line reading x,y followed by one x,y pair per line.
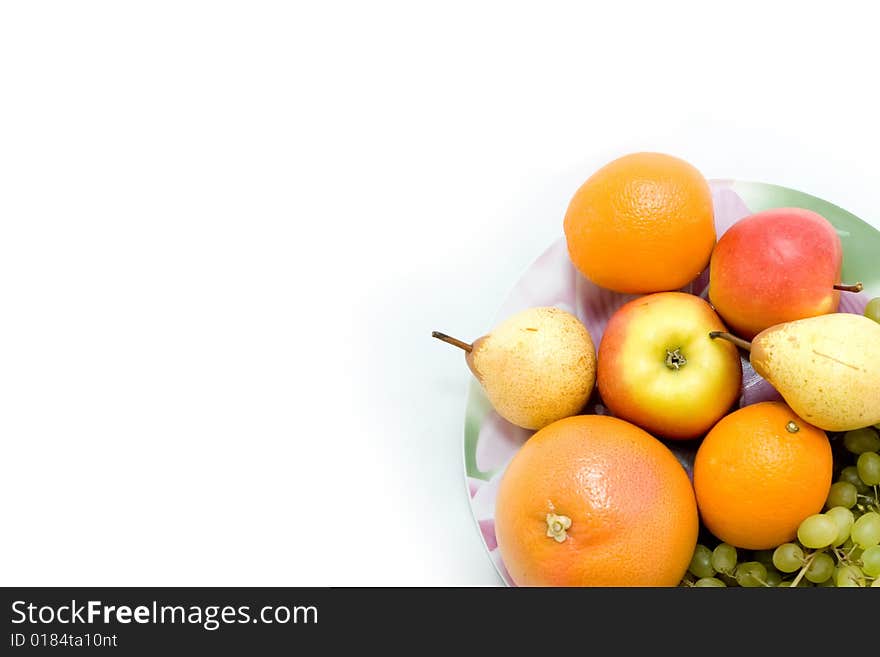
x,y
593,500
642,223
758,473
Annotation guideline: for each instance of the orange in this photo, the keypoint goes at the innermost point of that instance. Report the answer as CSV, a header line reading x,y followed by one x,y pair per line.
x,y
758,473
593,500
642,223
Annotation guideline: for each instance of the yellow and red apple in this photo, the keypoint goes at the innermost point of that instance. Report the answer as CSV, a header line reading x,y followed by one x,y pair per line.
x,y
773,267
658,367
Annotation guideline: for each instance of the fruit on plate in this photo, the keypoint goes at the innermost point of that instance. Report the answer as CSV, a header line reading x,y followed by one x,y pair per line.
x,y
593,500
840,547
536,367
642,223
759,473
827,368
659,369
776,266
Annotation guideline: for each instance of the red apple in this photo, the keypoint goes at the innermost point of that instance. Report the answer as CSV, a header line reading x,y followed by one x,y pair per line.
x,y
658,367
773,267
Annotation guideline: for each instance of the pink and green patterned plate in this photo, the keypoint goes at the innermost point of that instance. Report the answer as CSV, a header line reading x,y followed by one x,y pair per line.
x,y
490,441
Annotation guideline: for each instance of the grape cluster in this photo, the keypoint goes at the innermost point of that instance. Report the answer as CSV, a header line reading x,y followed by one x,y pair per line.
x,y
840,547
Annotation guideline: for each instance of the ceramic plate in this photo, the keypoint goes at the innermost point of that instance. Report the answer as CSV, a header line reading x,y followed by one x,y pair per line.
x,y
490,441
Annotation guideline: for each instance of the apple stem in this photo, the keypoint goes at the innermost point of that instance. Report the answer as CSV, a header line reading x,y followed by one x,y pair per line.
x,y
739,342
453,341
856,287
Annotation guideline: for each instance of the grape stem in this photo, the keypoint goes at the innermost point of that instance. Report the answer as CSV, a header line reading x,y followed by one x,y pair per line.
x,y
855,287
803,570
728,579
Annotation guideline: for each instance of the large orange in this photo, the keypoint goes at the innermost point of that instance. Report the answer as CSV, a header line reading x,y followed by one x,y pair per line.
x,y
642,223
758,473
593,500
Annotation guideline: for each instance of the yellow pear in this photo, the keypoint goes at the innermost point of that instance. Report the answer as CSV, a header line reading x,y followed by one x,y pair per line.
x,y
827,368
536,367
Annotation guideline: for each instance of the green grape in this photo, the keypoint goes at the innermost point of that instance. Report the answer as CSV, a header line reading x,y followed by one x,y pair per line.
x,y
848,576
841,493
751,574
827,583
817,531
875,583
724,558
851,550
786,584
821,568
872,310
843,518
868,467
860,441
788,557
773,577
866,530
851,474
701,562
709,582
871,561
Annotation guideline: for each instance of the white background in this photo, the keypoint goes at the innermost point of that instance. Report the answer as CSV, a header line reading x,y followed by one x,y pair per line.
x,y
228,228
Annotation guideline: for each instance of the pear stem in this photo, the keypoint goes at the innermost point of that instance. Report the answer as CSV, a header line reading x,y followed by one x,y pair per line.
x,y
453,341
739,342
856,287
